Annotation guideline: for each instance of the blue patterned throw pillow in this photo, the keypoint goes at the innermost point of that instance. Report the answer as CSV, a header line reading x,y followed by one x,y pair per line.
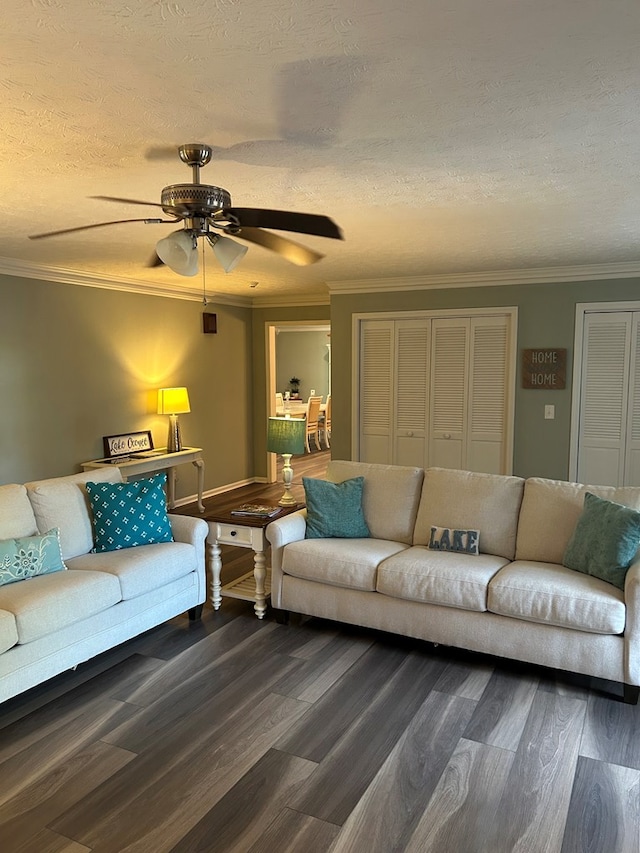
x,y
30,556
129,514
605,541
334,510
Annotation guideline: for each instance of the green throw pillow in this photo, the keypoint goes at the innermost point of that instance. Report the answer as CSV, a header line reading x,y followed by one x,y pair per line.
x,y
129,514
334,510
30,556
605,540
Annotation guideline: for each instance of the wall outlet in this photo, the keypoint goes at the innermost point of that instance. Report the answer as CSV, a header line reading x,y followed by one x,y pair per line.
x,y
549,413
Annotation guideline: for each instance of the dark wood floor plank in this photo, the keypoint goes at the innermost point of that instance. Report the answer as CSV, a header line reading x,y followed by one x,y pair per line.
x,y
151,804
330,717
533,810
49,842
238,819
345,774
466,680
460,814
25,815
321,671
386,815
604,813
502,710
611,732
292,832
42,756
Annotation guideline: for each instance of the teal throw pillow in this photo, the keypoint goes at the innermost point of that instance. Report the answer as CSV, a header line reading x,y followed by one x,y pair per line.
x,y
30,556
605,541
129,514
334,510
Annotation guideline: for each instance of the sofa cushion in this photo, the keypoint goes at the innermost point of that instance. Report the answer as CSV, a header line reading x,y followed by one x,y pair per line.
x,y
8,631
351,563
48,603
29,556
605,540
126,515
16,514
141,569
62,502
554,595
550,511
390,496
439,577
334,510
466,499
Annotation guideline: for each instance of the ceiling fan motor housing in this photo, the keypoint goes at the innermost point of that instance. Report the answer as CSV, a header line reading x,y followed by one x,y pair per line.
x,y
190,200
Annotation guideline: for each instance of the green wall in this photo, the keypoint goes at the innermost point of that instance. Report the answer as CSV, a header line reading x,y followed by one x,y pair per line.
x,y
546,318
305,355
78,363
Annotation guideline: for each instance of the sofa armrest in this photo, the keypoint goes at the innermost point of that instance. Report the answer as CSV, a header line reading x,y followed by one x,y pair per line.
x,y
193,531
291,528
632,627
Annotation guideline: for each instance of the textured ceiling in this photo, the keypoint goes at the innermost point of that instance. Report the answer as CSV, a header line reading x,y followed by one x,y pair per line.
x,y
443,136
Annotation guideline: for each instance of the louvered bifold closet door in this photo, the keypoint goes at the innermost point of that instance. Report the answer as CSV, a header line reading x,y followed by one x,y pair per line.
x,y
376,391
487,407
604,398
632,449
411,412
449,391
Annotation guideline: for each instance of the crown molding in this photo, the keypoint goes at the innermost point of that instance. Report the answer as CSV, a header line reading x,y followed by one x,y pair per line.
x,y
295,300
59,275
492,278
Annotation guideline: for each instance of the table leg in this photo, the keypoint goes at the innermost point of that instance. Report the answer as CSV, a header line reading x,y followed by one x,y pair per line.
x,y
199,463
171,488
260,574
216,568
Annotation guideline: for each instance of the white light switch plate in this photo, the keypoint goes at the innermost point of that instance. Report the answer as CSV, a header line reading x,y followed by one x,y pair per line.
x,y
549,413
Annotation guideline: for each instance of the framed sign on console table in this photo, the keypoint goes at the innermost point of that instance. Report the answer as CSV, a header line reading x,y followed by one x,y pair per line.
x,y
125,445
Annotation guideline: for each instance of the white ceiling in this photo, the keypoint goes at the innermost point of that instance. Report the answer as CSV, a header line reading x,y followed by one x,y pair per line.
x,y
443,136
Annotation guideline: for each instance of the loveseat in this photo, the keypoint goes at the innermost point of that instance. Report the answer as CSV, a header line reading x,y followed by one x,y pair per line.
x,y
514,598
52,622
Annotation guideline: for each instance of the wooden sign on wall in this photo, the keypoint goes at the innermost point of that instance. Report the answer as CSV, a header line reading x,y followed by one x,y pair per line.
x,y
544,368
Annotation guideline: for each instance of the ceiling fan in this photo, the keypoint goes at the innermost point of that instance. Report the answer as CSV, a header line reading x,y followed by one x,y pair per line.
x,y
206,211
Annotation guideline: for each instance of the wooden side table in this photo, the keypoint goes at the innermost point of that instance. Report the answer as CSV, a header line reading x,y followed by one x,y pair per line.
x,y
145,463
243,531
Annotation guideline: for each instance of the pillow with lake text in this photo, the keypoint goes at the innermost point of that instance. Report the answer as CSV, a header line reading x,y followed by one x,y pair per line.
x,y
451,539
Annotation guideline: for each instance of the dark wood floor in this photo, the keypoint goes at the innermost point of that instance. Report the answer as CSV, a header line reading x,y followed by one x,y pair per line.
x,y
233,734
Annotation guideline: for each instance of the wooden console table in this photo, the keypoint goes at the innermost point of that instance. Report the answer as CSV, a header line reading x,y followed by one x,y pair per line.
x,y
243,531
147,462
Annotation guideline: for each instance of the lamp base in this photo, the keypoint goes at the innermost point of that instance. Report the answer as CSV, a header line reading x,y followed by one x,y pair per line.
x,y
174,438
287,498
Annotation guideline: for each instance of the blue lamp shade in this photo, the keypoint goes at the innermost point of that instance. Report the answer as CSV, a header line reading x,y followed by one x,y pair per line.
x,y
286,435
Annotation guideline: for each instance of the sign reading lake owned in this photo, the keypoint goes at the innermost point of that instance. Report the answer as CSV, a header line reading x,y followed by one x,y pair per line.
x,y
544,368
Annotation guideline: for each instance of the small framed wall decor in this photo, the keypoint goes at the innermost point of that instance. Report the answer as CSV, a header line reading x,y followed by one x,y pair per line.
x,y
544,369
130,442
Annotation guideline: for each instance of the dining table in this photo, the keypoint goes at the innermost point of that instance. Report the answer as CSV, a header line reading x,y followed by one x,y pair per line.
x,y
295,408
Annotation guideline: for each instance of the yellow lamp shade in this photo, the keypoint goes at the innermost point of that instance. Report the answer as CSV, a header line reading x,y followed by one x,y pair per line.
x,y
173,401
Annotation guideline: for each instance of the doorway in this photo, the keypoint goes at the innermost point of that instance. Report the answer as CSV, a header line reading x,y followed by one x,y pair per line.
x,y
312,368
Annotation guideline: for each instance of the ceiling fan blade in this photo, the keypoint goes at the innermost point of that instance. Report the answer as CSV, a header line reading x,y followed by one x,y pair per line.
x,y
95,225
125,200
285,220
293,252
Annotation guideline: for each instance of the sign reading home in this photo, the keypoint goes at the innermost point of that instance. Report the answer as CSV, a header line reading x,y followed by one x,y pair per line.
x,y
544,368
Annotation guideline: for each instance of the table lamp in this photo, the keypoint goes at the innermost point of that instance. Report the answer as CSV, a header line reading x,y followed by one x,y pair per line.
x,y
173,402
286,436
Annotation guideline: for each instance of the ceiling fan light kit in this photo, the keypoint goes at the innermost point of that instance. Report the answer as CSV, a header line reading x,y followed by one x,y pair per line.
x,y
206,211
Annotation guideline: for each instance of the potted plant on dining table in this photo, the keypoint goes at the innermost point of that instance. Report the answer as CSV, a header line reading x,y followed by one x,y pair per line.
x,y
294,382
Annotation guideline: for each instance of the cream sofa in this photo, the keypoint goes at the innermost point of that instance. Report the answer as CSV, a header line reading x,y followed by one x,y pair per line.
x,y
514,599
53,622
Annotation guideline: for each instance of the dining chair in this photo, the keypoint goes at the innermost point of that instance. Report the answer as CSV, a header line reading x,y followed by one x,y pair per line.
x,y
325,423
279,401
313,418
